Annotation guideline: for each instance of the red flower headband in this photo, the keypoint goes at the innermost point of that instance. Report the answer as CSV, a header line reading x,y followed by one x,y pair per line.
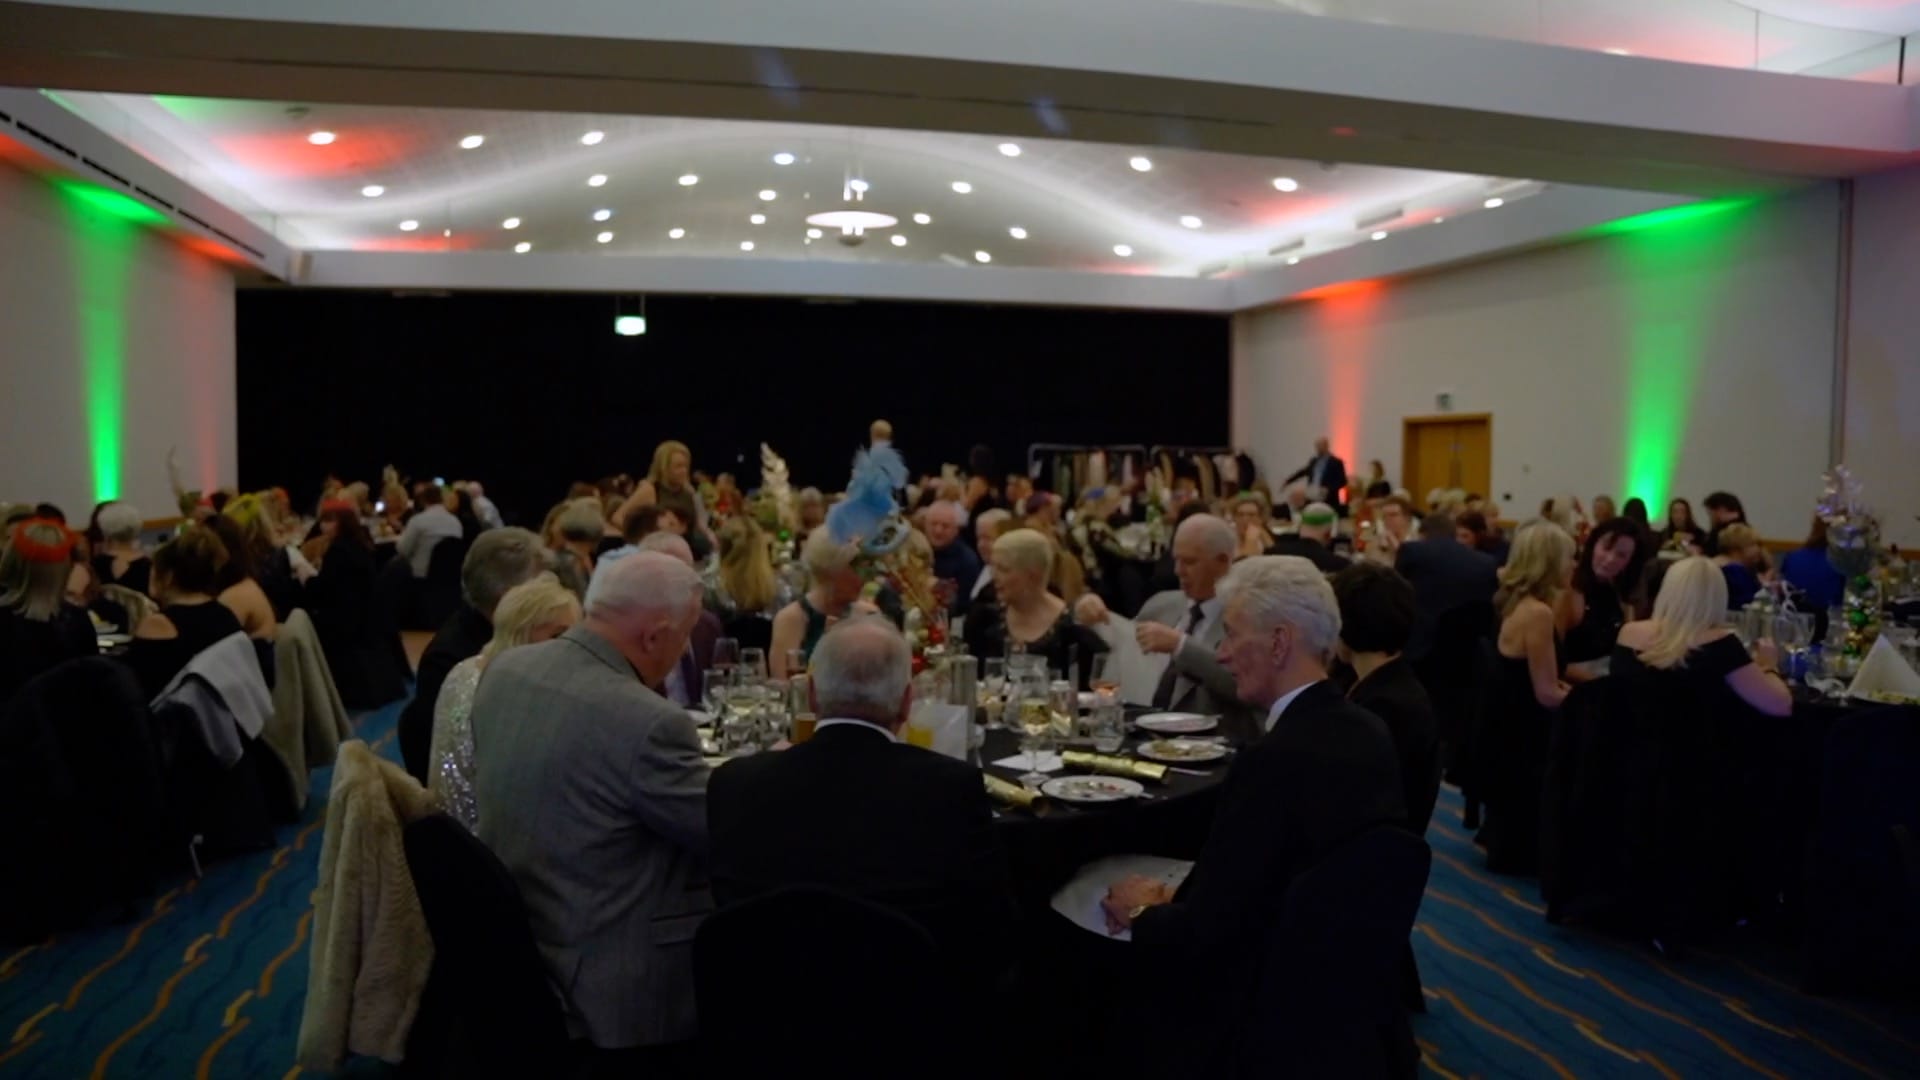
x,y
40,551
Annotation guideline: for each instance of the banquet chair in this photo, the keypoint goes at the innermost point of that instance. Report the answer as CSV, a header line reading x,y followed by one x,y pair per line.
x,y
82,798
488,1009
813,981
439,592
1328,999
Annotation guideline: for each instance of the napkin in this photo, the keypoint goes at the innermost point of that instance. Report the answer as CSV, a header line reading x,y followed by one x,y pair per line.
x,y
951,726
1048,762
1139,671
1884,671
1079,899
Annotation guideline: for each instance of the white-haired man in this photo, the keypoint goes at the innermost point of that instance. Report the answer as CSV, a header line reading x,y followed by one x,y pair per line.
x,y
953,558
1321,773
596,797
686,682
1184,624
855,809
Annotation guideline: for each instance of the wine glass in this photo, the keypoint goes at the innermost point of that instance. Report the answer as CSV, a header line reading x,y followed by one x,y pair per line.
x,y
714,692
1036,723
726,653
753,663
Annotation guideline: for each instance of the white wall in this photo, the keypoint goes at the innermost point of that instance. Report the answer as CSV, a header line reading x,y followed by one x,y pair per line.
x,y
1883,358
1546,342
91,303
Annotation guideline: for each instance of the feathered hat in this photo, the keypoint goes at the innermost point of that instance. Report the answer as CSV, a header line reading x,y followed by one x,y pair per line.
x,y
868,516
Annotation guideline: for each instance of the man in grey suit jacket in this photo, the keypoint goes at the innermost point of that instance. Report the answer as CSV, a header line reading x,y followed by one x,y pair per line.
x,y
592,790
1185,625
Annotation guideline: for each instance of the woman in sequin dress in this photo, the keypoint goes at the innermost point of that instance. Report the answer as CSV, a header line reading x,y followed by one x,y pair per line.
x,y
538,610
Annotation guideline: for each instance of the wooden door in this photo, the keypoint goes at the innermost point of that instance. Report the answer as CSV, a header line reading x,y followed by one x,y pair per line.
x,y
1446,452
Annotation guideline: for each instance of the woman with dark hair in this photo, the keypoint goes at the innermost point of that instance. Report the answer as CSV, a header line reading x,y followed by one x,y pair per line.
x,y
1635,509
1376,619
186,582
1472,529
238,584
1681,531
38,627
1606,592
1808,570
340,600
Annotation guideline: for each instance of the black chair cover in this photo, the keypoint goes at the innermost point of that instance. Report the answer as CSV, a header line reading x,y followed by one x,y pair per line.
x,y
1863,925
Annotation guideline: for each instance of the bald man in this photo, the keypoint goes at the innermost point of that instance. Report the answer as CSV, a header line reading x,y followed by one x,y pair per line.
x,y
1184,624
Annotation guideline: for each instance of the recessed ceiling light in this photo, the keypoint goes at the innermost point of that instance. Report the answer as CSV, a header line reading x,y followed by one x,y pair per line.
x,y
982,257
1380,234
1122,250
689,180
1494,203
373,191
522,248
409,225
605,238
1285,183
768,194
602,215
1295,261
922,219
746,245
783,158
897,240
1140,163
592,138
510,223
1190,221
1010,149
814,234
472,142
597,179
859,186
962,187
321,138
446,232
1438,220
852,221
1017,233
675,234
757,219
1616,52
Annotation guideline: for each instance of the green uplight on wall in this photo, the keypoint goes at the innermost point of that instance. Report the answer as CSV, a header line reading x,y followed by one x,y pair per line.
x,y
106,228
1671,309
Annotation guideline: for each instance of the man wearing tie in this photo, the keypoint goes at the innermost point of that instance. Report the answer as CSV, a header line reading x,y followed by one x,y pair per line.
x,y
1326,476
1184,625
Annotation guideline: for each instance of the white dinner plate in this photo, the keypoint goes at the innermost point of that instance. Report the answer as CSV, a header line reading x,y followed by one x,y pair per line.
x,y
1180,751
1091,789
1176,723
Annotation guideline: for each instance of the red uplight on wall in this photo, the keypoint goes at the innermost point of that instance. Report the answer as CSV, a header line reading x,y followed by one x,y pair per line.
x,y
1344,314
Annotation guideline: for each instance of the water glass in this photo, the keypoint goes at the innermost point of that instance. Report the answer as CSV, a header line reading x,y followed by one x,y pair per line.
x,y
726,652
753,661
1063,705
1105,673
713,688
1109,725
738,733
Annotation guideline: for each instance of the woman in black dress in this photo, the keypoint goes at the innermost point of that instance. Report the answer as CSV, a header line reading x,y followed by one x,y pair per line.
x,y
1026,615
1376,619
1511,751
38,627
186,584
1606,590
1689,690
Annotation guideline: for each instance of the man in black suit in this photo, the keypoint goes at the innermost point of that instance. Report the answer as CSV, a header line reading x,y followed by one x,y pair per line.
x,y
856,810
1312,540
1323,771
1325,474
498,560
1446,576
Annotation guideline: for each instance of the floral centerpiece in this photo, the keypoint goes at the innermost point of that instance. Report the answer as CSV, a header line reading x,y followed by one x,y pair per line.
x,y
1854,549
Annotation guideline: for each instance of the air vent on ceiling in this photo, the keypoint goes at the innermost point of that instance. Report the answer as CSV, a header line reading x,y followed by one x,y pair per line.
x,y
48,139
1381,218
1285,248
151,197
104,171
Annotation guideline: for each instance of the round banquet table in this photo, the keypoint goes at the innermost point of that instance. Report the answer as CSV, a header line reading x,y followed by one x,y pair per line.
x,y
1043,850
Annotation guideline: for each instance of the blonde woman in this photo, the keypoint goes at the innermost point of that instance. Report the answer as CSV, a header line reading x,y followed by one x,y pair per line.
x,y
744,583
670,486
1741,561
833,591
1512,755
1027,617
38,627
534,611
1686,648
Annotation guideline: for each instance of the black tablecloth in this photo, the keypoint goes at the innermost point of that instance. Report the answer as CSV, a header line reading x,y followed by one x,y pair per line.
x,y
1819,793
1045,850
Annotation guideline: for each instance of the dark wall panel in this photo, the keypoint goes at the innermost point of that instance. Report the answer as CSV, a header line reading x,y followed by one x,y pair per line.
x,y
528,392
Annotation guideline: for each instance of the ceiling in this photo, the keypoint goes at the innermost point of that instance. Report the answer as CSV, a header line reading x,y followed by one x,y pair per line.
x,y
1848,39
1080,205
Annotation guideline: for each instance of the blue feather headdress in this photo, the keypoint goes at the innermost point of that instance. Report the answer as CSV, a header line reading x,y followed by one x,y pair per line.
x,y
868,516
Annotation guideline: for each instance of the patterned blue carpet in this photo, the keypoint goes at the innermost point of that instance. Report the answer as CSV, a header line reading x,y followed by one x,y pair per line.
x,y
209,983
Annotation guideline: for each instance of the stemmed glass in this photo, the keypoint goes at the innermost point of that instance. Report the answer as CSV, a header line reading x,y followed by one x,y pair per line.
x,y
993,689
726,656
1106,673
753,663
